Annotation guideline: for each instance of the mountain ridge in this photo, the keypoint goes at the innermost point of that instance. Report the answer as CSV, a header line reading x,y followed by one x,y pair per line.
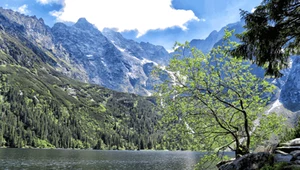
x,y
109,59
82,52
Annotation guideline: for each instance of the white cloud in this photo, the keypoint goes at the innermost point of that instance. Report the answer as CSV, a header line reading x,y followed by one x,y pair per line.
x,y
252,10
23,9
140,15
44,2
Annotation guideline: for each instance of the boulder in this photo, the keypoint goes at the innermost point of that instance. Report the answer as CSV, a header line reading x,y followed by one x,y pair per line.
x,y
288,149
251,161
295,154
282,158
294,142
281,152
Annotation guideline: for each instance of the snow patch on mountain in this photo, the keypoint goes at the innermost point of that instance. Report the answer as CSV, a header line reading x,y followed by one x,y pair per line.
x,y
276,104
119,48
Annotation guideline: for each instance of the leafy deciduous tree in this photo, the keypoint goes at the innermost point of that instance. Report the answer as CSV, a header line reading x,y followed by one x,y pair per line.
x,y
214,102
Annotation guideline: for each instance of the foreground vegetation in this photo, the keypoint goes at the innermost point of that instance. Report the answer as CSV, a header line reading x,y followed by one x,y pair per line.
x,y
214,103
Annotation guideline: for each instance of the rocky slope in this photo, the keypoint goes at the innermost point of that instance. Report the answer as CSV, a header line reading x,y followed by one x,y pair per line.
x,y
205,45
88,47
140,50
290,91
39,37
108,58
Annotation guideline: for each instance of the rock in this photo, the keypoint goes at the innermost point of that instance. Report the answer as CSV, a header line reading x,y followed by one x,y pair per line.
x,y
288,152
1,27
282,158
294,142
281,152
223,163
289,94
109,59
251,161
296,162
295,155
284,144
259,149
269,148
288,149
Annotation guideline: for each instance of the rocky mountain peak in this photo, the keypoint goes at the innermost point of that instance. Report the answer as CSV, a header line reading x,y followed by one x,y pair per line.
x,y
35,29
205,45
213,34
83,24
108,32
142,50
117,38
59,25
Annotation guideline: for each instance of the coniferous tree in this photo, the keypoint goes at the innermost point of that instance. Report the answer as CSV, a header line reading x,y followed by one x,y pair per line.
x,y
272,34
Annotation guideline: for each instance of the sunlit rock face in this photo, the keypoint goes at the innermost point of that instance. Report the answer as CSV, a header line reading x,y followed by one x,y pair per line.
x,y
38,37
290,92
108,58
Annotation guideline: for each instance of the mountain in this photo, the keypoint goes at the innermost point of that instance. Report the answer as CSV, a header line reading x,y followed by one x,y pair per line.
x,y
90,49
41,106
142,50
205,45
290,90
38,37
108,59
83,52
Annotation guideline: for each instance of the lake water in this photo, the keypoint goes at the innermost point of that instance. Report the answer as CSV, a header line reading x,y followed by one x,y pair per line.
x,y
38,159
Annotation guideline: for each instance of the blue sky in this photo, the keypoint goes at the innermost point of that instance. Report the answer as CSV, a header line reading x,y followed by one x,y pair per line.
x,y
160,22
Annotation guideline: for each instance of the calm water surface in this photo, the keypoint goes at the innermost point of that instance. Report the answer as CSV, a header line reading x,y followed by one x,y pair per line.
x,y
38,159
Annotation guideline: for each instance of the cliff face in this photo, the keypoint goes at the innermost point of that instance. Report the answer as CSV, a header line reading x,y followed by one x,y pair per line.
x,y
107,58
91,50
142,50
290,90
34,34
32,28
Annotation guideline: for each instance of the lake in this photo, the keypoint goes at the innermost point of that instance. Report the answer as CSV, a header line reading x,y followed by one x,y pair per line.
x,y
38,159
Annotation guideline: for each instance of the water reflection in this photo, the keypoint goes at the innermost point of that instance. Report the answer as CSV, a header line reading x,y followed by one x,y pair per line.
x,y
36,159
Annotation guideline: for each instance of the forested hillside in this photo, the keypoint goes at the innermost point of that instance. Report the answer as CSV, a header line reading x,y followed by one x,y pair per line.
x,y
43,110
